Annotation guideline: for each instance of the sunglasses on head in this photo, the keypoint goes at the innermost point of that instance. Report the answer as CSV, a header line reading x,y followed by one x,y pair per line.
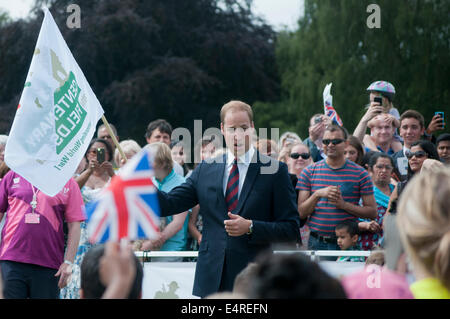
x,y
335,141
297,155
418,154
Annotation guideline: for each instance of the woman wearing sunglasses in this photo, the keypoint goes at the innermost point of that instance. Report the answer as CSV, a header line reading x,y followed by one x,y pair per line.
x,y
299,158
420,151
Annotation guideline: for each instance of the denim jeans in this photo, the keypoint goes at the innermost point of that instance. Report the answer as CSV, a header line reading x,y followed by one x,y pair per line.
x,y
316,244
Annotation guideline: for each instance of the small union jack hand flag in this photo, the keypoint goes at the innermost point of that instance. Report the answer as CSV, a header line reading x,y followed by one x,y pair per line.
x,y
328,106
128,208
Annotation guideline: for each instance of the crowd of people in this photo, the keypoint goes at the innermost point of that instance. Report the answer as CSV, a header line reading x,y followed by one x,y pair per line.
x,y
384,191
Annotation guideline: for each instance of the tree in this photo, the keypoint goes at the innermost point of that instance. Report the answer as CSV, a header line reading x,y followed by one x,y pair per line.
x,y
334,44
4,17
179,60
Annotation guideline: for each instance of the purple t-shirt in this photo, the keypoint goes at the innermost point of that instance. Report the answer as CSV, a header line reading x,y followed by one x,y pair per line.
x,y
39,243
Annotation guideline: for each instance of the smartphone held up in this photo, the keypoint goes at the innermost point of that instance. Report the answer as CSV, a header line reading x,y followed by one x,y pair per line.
x,y
441,115
378,99
100,155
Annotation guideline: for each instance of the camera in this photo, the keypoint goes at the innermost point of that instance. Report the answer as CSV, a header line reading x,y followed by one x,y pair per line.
x,y
317,119
100,155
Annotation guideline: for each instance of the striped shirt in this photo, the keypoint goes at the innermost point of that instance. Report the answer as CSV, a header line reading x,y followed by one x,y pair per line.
x,y
354,182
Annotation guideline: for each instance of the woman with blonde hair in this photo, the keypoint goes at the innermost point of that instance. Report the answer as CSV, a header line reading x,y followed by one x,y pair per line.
x,y
424,226
173,229
288,138
129,148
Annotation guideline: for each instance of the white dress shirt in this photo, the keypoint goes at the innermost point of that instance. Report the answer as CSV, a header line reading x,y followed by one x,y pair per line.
x,y
243,163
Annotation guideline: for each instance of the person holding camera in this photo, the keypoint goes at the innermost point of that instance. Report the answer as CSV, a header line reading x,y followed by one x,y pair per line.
x,y
381,95
317,125
92,181
100,167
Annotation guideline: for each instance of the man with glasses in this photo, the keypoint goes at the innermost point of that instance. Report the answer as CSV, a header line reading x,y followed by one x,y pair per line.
x,y
330,191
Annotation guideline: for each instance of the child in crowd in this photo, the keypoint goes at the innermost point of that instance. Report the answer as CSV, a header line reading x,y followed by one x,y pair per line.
x,y
376,257
347,235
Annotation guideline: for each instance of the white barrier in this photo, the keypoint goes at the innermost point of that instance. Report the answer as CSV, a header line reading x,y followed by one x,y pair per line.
x,y
168,280
174,280
312,253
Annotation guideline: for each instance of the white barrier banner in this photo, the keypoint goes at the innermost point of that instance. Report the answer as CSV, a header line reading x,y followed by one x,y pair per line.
x,y
168,280
175,280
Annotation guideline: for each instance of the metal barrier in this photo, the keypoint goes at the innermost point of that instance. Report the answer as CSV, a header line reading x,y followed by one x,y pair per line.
x,y
312,253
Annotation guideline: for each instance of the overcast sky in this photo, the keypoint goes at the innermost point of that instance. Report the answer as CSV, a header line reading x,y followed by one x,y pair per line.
x,y
278,13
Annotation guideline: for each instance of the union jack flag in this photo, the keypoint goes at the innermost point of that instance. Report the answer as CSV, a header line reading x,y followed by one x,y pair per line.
x,y
332,114
128,207
328,106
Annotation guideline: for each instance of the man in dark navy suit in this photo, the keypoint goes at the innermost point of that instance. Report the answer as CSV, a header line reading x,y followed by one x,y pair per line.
x,y
246,199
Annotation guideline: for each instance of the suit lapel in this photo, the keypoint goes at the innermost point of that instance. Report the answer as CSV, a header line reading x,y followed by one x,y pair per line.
x,y
250,178
220,167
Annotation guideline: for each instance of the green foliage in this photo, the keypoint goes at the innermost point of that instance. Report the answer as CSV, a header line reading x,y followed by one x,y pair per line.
x,y
334,44
179,60
4,17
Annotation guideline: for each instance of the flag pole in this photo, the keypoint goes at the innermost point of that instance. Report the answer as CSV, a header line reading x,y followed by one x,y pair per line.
x,y
113,136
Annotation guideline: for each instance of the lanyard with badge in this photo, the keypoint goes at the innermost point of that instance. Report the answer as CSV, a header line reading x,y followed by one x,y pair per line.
x,y
33,218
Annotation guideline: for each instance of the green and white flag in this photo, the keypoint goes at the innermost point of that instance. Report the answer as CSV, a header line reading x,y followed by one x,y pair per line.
x,y
56,117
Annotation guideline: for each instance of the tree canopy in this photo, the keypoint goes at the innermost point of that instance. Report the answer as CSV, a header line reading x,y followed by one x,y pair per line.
x,y
182,60
334,44
178,60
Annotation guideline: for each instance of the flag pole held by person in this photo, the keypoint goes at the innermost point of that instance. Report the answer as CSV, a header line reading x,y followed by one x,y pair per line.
x,y
113,136
328,105
56,116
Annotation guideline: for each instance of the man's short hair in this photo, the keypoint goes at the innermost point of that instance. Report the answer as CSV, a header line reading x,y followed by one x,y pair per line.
x,y
162,125
350,226
413,114
113,128
442,137
236,105
334,128
90,277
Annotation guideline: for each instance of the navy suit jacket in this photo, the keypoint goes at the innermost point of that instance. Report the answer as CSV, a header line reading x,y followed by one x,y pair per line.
x,y
267,199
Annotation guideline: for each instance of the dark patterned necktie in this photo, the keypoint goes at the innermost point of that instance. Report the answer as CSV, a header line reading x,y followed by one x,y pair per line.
x,y
231,194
